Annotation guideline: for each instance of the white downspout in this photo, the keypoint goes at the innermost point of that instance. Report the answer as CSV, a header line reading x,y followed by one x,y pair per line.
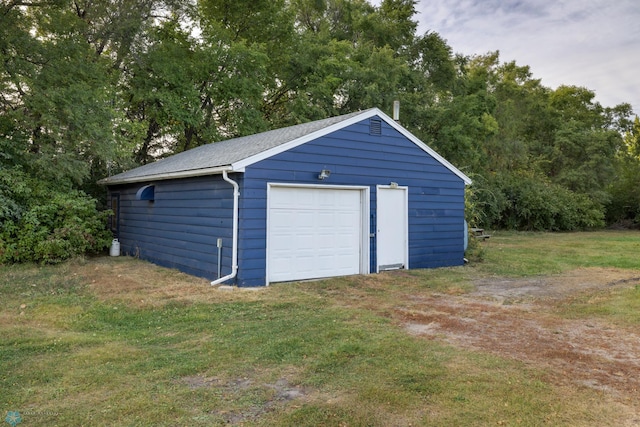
x,y
234,249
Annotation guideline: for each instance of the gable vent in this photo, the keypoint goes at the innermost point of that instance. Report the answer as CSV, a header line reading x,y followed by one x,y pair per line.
x,y
375,127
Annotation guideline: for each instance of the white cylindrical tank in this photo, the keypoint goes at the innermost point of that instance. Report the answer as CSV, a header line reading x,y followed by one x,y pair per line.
x,y
115,248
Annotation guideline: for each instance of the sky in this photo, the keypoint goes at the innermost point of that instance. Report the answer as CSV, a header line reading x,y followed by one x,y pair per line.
x,y
589,43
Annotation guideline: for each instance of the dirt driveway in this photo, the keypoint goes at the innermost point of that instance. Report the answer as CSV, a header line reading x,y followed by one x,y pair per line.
x,y
515,319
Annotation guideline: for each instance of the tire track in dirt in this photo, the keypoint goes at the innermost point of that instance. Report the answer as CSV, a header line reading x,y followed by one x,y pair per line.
x,y
514,319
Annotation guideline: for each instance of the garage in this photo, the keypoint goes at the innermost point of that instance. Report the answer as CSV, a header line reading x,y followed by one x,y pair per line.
x,y
316,231
350,194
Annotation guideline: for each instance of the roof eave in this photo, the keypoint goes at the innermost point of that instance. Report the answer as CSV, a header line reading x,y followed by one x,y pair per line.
x,y
170,175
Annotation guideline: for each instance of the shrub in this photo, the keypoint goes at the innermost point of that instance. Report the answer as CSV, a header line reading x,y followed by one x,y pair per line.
x,y
624,206
14,194
526,201
64,226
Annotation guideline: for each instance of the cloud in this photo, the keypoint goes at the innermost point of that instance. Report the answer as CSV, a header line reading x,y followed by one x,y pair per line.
x,y
590,43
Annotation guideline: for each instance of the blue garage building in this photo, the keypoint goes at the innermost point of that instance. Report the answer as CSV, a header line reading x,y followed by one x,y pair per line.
x,y
352,194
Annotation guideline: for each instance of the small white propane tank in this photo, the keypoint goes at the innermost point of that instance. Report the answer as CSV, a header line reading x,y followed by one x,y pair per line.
x,y
115,248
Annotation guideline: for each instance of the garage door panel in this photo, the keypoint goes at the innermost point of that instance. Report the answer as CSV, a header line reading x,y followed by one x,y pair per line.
x,y
313,233
325,219
303,243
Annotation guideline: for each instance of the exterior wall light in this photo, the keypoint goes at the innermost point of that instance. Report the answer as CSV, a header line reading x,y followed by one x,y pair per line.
x,y
324,173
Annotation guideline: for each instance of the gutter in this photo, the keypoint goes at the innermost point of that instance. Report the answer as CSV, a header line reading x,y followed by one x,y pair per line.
x,y
234,249
114,180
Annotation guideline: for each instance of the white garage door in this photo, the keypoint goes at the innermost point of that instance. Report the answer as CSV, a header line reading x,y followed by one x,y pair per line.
x,y
313,233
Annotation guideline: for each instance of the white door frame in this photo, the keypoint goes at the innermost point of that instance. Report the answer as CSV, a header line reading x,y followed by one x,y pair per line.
x,y
405,190
364,220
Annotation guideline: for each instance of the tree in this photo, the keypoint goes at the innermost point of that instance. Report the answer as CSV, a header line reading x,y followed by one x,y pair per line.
x,y
91,87
582,153
58,122
624,205
511,132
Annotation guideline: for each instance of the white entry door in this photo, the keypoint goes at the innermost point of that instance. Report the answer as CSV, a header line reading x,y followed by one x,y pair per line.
x,y
392,228
314,232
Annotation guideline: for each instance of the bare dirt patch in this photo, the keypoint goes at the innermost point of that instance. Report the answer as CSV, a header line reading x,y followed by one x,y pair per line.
x,y
553,287
514,318
141,284
275,394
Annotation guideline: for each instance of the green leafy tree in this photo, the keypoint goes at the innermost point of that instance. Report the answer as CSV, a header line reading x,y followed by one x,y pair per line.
x,y
58,122
504,127
624,206
92,87
460,124
581,155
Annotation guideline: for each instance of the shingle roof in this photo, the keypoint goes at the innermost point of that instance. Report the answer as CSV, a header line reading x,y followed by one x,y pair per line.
x,y
237,153
223,153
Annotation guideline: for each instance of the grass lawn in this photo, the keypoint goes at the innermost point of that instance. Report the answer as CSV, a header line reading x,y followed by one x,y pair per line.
x,y
117,341
527,254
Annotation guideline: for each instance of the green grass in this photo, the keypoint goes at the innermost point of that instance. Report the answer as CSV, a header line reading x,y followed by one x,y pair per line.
x,y
530,254
75,353
618,306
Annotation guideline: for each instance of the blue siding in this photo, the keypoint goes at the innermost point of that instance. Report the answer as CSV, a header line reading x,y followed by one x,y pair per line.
x,y
436,195
179,229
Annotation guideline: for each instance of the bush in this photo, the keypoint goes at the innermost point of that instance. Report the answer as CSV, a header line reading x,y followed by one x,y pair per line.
x,y
14,194
624,206
525,201
65,226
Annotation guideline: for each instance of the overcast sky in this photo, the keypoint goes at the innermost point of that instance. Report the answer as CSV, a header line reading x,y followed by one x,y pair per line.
x,y
589,43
